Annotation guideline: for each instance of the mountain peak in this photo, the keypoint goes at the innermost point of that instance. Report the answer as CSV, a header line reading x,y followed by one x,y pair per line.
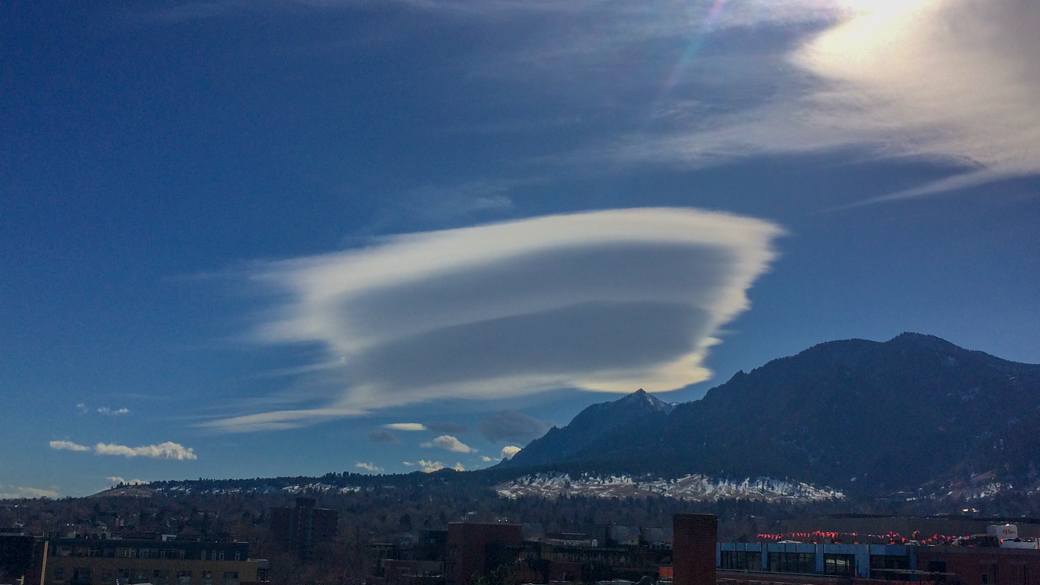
x,y
642,398
592,424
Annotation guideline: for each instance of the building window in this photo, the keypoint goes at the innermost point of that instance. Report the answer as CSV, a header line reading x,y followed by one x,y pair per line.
x,y
835,564
231,578
785,562
889,567
741,560
183,577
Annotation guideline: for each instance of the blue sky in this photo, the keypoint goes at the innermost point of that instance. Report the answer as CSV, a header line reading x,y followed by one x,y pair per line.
x,y
201,209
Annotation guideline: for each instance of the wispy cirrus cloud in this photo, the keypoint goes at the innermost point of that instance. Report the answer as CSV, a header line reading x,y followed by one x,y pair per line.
x,y
951,81
629,298
936,81
20,492
109,411
165,450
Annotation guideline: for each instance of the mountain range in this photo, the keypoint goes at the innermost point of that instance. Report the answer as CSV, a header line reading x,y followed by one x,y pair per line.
x,y
915,415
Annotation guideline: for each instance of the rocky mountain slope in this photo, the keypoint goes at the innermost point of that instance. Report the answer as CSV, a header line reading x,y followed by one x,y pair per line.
x,y
913,414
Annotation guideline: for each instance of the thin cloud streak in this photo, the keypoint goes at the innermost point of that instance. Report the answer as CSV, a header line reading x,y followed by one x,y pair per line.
x,y
23,492
405,426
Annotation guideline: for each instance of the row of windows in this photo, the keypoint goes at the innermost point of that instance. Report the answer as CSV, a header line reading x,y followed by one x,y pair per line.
x,y
146,553
783,562
839,564
741,560
793,562
155,577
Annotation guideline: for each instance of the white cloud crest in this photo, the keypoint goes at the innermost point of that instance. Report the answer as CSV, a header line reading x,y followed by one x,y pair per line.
x,y
509,450
368,466
118,480
68,446
429,466
449,443
165,450
603,301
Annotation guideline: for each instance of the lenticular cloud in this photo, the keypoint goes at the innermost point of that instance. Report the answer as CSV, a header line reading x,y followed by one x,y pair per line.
x,y
602,301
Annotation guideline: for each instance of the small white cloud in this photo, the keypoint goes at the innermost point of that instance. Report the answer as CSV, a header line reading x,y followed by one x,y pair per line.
x,y
166,450
107,411
369,467
449,443
117,480
426,465
18,492
68,446
509,450
458,466
487,459
405,426
81,408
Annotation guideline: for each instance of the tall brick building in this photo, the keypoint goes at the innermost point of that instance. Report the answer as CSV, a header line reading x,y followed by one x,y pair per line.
x,y
20,557
693,549
304,528
475,549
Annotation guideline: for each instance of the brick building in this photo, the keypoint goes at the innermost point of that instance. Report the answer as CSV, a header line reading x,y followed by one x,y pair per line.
x,y
305,528
107,561
475,549
961,565
693,549
20,558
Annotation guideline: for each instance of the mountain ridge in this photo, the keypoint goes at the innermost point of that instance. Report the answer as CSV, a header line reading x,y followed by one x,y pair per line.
x,y
864,416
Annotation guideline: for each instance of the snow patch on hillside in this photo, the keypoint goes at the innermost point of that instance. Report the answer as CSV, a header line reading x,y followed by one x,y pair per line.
x,y
694,487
